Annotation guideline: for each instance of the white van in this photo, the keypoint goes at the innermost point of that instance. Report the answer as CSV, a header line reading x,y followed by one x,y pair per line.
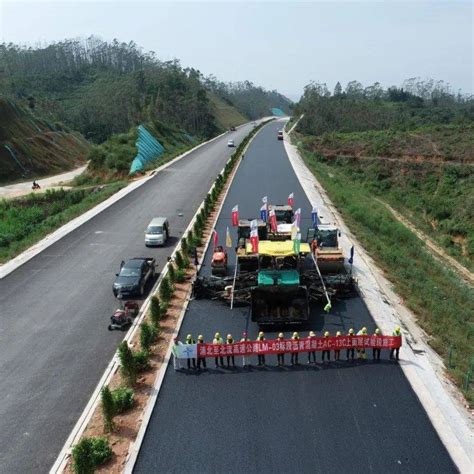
x,y
157,232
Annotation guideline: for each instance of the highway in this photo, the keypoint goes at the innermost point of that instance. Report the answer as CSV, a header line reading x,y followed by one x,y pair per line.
x,y
340,417
55,308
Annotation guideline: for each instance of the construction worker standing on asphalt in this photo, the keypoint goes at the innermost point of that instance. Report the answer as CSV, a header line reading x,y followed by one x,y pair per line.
x,y
376,350
281,353
201,360
218,340
261,357
174,349
326,352
189,341
396,332
244,359
311,354
294,355
350,350
230,340
361,352
337,352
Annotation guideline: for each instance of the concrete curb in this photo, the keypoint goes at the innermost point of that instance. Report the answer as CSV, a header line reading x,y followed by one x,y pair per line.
x,y
421,365
135,448
58,234
114,364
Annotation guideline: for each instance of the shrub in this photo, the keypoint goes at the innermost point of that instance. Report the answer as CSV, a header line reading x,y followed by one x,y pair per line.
x,y
108,409
166,291
184,246
90,453
155,311
171,273
147,336
179,260
128,364
141,359
180,276
123,398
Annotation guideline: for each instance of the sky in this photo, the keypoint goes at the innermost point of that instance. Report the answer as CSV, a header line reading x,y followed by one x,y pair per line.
x,y
280,45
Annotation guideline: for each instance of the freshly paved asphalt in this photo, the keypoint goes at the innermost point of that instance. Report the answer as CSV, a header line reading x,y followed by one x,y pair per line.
x,y
341,417
54,343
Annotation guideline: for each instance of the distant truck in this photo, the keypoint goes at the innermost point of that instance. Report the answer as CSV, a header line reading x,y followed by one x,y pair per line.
x,y
280,135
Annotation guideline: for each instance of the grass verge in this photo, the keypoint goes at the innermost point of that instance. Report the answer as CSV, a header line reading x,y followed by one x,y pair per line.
x,y
443,304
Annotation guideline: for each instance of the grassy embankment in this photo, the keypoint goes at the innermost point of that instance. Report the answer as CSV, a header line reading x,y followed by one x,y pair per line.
x,y
443,304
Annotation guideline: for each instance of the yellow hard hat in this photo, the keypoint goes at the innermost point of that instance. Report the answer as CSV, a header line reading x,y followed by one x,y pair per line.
x,y
189,336
311,334
398,329
229,336
260,334
217,335
295,334
338,333
200,337
377,331
351,331
364,330
281,335
326,334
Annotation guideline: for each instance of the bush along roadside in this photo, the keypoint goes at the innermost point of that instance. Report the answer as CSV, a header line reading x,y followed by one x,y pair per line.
x,y
170,298
443,304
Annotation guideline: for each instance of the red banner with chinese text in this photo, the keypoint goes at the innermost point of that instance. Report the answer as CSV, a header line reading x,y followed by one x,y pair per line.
x,y
274,346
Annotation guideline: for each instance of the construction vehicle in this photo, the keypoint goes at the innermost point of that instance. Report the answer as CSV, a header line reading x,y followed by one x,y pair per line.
x,y
248,261
324,240
219,261
284,216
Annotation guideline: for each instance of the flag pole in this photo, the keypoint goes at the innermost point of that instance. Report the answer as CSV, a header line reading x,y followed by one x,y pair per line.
x,y
233,283
321,277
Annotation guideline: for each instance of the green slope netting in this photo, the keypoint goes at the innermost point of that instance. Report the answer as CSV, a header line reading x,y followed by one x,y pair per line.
x,y
148,148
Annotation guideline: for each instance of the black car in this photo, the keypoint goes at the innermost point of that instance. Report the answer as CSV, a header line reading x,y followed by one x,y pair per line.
x,y
133,276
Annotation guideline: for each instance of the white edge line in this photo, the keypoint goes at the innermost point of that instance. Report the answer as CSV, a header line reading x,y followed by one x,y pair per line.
x,y
76,433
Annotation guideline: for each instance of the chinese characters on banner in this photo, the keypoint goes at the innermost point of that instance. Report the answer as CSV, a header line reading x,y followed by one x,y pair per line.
x,y
273,346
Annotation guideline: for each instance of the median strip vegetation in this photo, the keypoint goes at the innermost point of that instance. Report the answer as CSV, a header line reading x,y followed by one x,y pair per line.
x,y
130,387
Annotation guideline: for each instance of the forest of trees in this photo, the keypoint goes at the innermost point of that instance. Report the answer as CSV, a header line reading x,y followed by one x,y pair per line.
x,y
357,108
101,88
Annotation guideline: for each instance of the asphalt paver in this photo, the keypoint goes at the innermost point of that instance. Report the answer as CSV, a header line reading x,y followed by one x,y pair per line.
x,y
341,416
55,309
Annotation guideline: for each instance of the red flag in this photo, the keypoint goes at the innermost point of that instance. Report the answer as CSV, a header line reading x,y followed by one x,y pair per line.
x,y
291,199
254,240
273,221
235,216
215,237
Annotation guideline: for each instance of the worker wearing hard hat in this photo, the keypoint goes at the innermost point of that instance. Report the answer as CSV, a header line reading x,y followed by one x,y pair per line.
x,y
396,332
230,340
174,350
261,357
350,351
337,352
189,341
281,352
361,352
294,355
376,350
326,352
218,340
244,358
311,354
201,360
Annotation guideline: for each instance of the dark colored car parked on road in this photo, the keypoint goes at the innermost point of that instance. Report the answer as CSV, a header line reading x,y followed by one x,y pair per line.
x,y
133,276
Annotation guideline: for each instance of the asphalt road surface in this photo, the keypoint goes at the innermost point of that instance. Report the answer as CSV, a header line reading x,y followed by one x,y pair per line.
x,y
54,343
339,417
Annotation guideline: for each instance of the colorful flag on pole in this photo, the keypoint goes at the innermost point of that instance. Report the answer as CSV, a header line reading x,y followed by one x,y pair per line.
x,y
254,225
294,231
351,259
265,199
263,213
228,239
235,215
215,237
297,244
297,218
314,216
254,240
291,199
273,220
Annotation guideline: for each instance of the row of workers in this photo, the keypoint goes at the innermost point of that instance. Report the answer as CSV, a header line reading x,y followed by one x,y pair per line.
x,y
350,353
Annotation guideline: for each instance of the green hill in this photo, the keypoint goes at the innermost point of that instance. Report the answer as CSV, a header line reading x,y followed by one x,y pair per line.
x,y
31,147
